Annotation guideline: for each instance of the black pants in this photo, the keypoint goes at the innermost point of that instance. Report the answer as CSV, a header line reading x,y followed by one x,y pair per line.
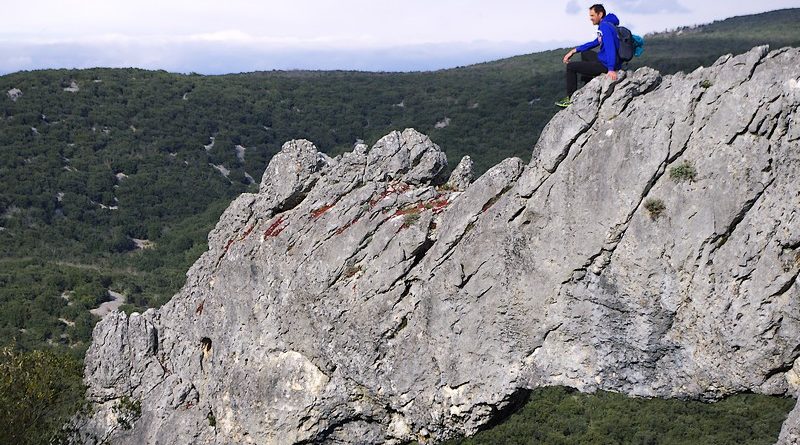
x,y
588,67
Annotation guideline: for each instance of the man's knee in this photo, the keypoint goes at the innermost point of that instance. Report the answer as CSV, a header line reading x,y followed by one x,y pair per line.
x,y
589,56
572,67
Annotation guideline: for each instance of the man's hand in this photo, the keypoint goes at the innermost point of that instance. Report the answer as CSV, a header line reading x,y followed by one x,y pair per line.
x,y
569,54
612,75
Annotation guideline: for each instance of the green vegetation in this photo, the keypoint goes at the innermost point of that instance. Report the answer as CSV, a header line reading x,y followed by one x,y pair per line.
x,y
116,186
560,416
683,172
88,174
45,300
127,411
39,392
411,218
686,48
655,206
706,84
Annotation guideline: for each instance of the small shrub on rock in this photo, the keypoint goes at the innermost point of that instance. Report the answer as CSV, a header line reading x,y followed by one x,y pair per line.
x,y
656,207
683,172
410,219
127,410
352,271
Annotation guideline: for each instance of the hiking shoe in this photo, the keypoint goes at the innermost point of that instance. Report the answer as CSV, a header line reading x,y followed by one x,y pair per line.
x,y
564,103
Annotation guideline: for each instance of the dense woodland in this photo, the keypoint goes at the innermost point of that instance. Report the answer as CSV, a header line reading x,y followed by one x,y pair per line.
x,y
562,416
112,178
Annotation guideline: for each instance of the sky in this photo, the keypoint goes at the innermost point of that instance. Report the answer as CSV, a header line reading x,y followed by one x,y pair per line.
x,y
218,37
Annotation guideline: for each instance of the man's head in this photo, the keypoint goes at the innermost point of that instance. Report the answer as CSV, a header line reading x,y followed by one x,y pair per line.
x,y
596,13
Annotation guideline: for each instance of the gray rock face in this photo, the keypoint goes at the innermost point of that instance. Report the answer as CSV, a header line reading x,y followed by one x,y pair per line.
x,y
462,175
354,300
790,434
14,94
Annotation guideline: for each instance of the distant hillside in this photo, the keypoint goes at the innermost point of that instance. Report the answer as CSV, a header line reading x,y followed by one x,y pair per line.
x,y
96,164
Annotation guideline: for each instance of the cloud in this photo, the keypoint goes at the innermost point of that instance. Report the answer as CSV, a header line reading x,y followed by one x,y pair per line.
x,y
573,8
649,7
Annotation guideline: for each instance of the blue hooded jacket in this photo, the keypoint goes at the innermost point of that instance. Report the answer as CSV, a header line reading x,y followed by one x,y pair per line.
x,y
607,40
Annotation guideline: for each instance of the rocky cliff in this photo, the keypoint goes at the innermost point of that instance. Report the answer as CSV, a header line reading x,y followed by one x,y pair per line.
x,y
651,247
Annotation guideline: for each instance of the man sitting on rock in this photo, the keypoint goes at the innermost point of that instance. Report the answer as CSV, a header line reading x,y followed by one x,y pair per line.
x,y
594,64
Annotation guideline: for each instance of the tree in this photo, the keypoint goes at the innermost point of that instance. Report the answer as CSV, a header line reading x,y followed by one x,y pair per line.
x,y
39,392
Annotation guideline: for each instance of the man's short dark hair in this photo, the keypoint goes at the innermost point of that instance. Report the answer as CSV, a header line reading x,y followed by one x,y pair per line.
x,y
598,8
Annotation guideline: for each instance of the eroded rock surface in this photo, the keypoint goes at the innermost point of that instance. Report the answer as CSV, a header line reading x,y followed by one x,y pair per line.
x,y
790,434
370,299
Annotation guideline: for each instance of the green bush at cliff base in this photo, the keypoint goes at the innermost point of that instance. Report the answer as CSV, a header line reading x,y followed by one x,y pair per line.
x,y
39,393
562,416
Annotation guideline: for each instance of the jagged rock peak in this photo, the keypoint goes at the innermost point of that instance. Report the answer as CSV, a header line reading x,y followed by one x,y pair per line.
x,y
293,171
409,156
462,175
651,247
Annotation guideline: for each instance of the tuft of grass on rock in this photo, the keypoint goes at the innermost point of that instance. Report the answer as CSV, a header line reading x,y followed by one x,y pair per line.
x,y
409,219
352,271
683,172
128,410
656,207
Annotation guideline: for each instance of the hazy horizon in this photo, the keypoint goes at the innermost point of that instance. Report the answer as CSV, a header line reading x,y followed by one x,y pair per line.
x,y
203,37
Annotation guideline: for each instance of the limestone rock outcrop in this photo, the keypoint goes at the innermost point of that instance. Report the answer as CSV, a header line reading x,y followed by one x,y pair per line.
x,y
790,433
651,247
14,94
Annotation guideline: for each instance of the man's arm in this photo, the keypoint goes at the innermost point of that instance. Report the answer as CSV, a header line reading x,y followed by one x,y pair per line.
x,y
585,47
608,56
